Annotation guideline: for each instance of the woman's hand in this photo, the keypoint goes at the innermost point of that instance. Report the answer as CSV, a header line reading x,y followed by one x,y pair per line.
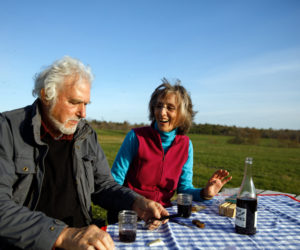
x,y
215,183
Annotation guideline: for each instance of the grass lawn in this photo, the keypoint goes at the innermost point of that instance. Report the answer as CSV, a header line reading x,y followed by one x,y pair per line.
x,y
274,168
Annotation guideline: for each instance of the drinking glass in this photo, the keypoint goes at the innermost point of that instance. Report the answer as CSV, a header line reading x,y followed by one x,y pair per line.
x,y
184,205
127,225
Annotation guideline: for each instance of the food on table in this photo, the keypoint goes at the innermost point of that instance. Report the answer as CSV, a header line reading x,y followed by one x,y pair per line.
x,y
197,208
198,223
227,209
156,243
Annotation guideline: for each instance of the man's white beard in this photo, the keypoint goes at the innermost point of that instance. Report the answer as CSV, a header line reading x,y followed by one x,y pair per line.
x,y
62,126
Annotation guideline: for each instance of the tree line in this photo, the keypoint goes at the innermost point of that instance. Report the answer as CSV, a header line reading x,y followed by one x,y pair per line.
x,y
285,137
239,135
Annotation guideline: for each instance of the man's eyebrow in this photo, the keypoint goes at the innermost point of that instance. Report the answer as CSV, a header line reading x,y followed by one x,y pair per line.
x,y
80,101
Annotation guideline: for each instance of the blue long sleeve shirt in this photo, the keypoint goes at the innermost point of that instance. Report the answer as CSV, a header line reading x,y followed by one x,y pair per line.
x,y
129,149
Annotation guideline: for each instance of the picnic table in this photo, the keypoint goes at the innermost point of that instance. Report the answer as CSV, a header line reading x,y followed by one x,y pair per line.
x,y
278,227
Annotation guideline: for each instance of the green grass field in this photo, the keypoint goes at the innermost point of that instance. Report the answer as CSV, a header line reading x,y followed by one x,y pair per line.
x,y
274,168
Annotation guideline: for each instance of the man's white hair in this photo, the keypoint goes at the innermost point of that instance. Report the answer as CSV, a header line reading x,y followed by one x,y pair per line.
x,y
53,76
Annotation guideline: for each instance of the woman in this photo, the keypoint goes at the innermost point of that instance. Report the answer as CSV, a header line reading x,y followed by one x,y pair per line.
x,y
156,161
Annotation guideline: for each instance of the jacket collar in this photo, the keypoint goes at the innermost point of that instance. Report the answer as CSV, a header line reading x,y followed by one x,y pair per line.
x,y
62,137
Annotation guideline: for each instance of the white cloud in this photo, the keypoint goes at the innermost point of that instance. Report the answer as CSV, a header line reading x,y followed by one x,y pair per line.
x,y
272,68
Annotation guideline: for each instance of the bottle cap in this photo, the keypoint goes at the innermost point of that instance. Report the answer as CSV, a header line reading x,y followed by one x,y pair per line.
x,y
249,160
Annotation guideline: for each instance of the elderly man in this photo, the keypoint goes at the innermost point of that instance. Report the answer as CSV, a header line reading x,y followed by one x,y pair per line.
x,y
52,167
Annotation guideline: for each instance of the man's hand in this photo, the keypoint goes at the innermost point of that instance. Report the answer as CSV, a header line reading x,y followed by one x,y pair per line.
x,y
147,209
90,238
216,182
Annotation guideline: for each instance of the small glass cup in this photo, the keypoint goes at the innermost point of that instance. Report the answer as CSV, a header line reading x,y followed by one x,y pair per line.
x,y
184,205
127,225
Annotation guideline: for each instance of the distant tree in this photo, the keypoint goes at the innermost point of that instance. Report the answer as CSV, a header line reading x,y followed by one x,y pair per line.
x,y
246,136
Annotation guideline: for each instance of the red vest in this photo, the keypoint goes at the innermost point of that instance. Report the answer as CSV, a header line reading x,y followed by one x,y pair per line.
x,y
153,174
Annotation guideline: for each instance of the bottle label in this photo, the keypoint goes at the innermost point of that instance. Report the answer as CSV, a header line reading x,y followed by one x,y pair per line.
x,y
241,216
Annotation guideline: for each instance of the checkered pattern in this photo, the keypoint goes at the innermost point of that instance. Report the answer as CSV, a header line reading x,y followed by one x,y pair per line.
x,y
278,227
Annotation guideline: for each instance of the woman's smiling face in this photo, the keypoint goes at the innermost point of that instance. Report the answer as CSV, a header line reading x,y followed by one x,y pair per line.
x,y
165,112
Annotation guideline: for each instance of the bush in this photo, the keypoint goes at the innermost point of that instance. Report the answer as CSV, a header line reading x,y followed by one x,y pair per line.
x,y
246,136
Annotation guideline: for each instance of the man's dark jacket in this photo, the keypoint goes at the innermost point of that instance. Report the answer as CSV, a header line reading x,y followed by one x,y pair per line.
x,y
22,155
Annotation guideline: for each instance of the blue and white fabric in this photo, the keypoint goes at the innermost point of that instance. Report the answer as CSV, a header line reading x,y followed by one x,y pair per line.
x,y
278,227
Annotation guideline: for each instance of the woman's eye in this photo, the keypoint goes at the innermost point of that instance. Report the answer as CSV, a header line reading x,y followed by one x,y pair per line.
x,y
171,108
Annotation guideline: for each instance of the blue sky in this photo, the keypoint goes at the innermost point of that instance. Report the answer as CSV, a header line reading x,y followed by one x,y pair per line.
x,y
240,60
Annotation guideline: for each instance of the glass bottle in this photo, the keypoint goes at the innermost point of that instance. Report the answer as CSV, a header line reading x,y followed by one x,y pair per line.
x,y
246,203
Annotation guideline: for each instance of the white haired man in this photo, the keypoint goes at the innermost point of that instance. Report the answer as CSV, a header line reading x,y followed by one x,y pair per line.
x,y
52,167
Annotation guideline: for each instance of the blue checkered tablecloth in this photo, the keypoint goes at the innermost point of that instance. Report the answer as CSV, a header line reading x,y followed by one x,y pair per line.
x,y
278,227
